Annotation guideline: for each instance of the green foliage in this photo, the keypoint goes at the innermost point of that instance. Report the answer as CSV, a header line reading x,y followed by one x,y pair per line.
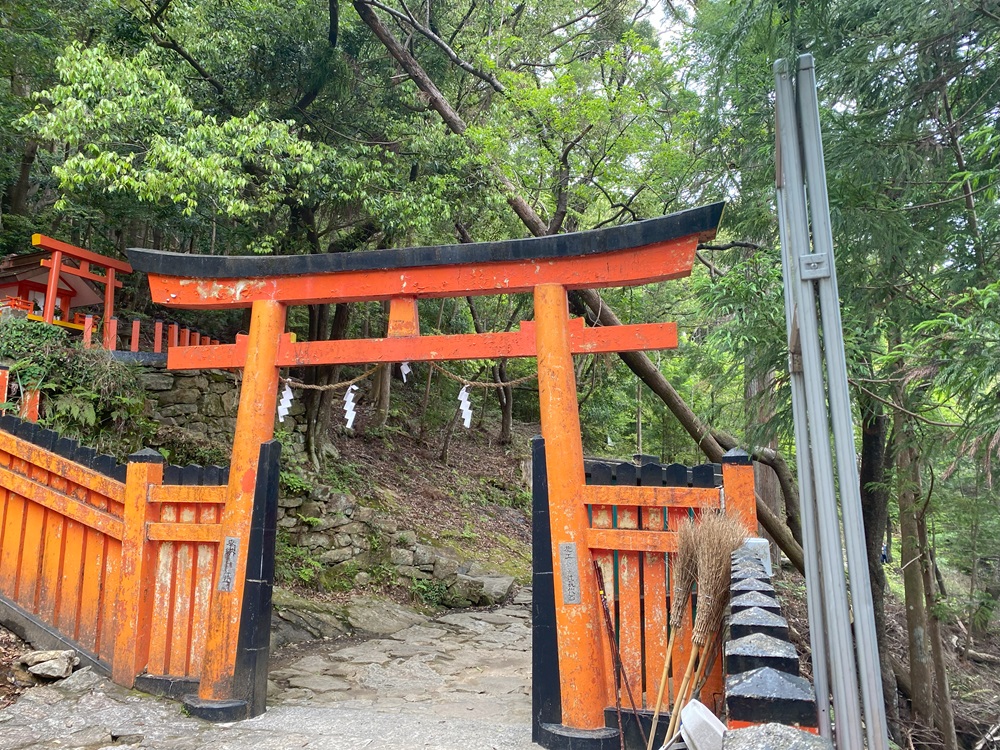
x,y
293,483
339,578
182,447
86,394
292,563
429,591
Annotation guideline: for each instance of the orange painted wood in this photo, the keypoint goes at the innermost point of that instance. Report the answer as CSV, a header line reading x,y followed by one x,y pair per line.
x,y
655,613
158,337
92,591
254,426
83,273
634,541
29,405
579,628
53,542
88,331
160,635
208,515
173,337
52,287
682,645
31,557
602,518
404,320
110,586
629,267
630,615
652,497
48,243
184,532
195,338
134,609
46,497
521,343
180,493
183,595
111,334
4,385
185,337
56,464
10,551
67,616
134,340
741,503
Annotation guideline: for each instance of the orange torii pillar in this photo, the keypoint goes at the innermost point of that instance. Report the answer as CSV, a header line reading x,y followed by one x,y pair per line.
x,y
548,267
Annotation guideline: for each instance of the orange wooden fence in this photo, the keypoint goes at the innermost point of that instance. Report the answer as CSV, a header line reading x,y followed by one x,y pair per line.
x,y
634,512
107,559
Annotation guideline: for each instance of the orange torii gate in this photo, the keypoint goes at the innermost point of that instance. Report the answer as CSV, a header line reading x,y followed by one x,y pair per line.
x,y
633,254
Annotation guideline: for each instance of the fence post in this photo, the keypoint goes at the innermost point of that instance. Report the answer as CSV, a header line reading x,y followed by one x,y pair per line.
x,y
173,335
738,486
134,602
88,331
111,334
134,342
4,385
158,337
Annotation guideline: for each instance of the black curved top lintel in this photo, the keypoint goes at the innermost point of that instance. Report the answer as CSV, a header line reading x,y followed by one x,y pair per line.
x,y
701,221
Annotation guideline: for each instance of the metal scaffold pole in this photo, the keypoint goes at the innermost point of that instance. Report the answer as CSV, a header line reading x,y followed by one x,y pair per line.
x,y
821,403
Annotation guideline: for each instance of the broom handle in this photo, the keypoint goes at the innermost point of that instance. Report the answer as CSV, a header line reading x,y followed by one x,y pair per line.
x,y
663,685
675,714
689,687
701,677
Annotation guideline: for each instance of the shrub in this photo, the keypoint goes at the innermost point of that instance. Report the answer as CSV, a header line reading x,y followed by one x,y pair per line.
x,y
86,393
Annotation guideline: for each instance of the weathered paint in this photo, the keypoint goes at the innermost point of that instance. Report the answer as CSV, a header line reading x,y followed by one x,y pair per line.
x,y
655,262
136,587
654,585
652,497
578,626
254,425
407,347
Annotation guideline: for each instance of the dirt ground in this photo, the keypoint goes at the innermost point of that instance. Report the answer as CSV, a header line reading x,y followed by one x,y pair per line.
x,y
11,686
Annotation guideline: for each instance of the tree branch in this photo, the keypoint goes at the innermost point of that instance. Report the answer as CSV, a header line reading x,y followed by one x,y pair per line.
x,y
409,19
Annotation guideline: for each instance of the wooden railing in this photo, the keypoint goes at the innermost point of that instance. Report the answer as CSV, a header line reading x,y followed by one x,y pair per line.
x,y
109,560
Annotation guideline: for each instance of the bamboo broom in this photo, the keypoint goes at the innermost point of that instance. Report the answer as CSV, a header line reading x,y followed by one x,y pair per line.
x,y
684,569
718,536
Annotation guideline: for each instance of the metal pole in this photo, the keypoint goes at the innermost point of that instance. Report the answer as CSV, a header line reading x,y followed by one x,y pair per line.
x,y
846,701
807,498
840,409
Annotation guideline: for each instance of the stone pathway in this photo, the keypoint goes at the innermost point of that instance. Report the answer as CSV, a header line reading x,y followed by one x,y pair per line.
x,y
460,681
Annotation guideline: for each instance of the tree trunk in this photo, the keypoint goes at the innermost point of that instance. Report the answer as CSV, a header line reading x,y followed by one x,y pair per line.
x,y
320,404
875,510
921,667
708,440
944,715
506,397
22,185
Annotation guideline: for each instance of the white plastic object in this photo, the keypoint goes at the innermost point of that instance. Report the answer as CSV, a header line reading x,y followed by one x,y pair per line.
x,y
700,728
761,549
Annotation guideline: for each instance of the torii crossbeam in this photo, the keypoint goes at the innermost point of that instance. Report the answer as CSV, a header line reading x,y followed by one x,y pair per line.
x,y
638,253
